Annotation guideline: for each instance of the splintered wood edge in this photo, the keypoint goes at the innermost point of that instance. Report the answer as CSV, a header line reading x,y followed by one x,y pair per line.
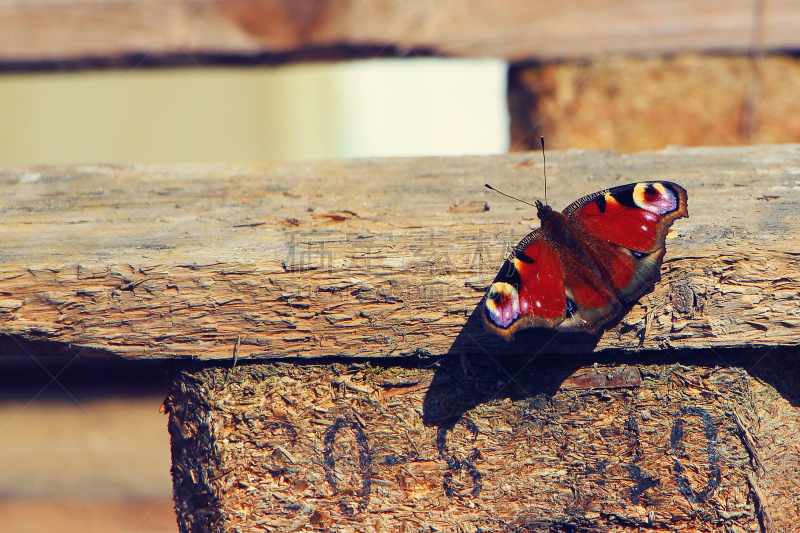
x,y
370,258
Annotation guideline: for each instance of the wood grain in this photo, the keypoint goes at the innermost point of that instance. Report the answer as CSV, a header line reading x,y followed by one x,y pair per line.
x,y
367,258
704,442
98,32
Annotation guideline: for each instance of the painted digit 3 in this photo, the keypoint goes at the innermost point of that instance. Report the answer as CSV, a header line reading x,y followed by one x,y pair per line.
x,y
454,464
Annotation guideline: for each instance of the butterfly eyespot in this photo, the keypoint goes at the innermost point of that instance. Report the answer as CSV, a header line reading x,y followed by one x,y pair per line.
x,y
502,304
639,255
655,197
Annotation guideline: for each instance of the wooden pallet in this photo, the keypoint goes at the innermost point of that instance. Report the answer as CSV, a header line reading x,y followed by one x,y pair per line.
x,y
329,371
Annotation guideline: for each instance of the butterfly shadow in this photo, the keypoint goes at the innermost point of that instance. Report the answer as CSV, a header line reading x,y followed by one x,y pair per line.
x,y
481,368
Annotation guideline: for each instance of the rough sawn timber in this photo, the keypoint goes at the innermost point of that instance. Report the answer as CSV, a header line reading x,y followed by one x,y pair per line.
x,y
645,443
376,258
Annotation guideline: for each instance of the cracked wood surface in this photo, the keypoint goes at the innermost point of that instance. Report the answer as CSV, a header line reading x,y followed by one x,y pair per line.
x,y
376,258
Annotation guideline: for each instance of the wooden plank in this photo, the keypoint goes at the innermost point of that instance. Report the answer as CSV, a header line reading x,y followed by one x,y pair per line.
x,y
147,30
705,441
369,258
633,104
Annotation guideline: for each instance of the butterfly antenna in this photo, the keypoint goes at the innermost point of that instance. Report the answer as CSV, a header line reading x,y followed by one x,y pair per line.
x,y
544,167
509,196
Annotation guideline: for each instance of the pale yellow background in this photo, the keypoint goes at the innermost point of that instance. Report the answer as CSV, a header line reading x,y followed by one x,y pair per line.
x,y
385,107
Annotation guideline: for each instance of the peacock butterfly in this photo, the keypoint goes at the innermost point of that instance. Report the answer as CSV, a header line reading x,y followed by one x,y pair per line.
x,y
577,270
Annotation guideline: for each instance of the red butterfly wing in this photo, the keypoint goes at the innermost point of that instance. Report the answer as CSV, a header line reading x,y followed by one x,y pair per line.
x,y
636,216
529,289
626,229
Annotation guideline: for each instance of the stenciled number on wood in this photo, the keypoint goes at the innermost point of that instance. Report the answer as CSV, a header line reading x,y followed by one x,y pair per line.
x,y
454,464
642,480
364,462
678,450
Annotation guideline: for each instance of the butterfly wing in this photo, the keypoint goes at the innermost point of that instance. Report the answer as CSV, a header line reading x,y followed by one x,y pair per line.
x,y
529,289
543,285
636,216
626,228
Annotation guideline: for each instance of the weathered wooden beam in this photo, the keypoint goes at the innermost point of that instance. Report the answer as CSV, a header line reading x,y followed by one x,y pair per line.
x,y
632,104
702,442
147,30
376,258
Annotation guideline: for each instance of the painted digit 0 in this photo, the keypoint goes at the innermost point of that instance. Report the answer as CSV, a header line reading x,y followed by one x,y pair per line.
x,y
676,443
364,461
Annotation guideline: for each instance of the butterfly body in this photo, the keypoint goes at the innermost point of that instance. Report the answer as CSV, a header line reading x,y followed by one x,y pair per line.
x,y
581,266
